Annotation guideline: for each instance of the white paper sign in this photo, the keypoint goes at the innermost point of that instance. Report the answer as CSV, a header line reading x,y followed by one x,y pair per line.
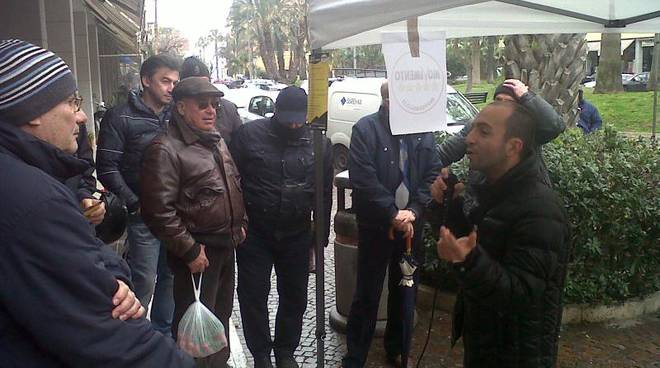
x,y
417,86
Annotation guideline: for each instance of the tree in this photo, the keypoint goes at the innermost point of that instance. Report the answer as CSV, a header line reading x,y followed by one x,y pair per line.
x,y
201,44
169,41
215,39
654,62
475,61
491,58
552,65
609,64
257,17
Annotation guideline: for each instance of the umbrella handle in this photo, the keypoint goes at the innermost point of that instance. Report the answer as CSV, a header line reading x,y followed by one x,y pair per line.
x,y
409,245
390,235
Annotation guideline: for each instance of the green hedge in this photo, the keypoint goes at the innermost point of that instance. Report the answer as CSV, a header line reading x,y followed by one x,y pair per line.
x,y
610,186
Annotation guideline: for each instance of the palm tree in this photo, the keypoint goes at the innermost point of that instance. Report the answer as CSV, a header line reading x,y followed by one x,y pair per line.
x,y
215,38
201,44
609,64
552,65
256,17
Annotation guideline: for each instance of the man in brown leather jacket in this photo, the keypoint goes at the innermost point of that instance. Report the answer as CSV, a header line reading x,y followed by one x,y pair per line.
x,y
191,200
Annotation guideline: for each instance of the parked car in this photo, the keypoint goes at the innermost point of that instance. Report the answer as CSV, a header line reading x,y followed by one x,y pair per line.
x,y
352,98
637,83
252,103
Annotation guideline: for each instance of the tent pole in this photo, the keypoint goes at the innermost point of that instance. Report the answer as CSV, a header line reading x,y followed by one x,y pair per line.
x,y
318,127
656,51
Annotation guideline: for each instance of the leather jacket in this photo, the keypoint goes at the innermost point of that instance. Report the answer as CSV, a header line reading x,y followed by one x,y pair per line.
x,y
191,192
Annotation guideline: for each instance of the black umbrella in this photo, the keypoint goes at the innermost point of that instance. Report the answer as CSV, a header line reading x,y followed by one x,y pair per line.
x,y
408,265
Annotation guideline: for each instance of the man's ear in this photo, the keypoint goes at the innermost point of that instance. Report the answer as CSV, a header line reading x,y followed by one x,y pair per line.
x,y
34,122
514,147
146,81
180,107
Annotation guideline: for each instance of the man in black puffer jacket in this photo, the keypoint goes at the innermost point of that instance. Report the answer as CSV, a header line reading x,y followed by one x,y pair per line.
x,y
511,271
126,131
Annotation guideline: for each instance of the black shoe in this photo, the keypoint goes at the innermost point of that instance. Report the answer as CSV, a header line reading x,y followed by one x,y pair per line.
x,y
286,361
262,362
394,360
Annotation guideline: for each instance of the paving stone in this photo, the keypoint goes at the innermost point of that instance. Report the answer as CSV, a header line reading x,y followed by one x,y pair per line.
x,y
624,344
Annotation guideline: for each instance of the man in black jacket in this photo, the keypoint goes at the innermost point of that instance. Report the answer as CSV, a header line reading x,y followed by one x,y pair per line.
x,y
64,295
275,158
390,176
126,131
511,271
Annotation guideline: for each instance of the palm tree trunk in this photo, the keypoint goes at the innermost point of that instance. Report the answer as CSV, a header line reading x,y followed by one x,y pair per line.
x,y
551,65
475,59
491,64
609,64
267,52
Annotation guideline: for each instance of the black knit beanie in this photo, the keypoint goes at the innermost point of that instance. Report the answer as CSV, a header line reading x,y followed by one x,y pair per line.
x,y
193,67
506,90
32,81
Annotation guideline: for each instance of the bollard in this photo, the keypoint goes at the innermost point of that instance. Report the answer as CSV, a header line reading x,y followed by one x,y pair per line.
x,y
346,253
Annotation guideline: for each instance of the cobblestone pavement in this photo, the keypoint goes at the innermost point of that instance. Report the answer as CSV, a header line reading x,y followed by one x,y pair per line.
x,y
633,343
335,343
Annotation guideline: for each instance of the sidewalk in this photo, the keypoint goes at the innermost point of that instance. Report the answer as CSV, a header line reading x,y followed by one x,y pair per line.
x,y
633,343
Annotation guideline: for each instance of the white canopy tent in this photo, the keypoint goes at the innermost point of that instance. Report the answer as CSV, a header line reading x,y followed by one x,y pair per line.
x,y
346,23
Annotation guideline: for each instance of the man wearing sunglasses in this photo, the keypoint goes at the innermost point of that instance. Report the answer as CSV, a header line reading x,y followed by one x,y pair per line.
x,y
64,295
192,201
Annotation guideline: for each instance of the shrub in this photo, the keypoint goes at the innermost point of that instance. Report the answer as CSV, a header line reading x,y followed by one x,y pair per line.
x,y
610,187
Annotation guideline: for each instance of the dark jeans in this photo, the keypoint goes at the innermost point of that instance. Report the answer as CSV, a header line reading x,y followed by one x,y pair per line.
x,y
147,259
375,253
256,258
217,294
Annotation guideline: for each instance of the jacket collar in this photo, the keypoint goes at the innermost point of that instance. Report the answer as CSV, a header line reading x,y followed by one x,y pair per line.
x,y
137,103
40,154
512,180
188,134
384,118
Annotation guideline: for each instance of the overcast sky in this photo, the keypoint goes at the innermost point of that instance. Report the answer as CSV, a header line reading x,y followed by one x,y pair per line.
x,y
194,18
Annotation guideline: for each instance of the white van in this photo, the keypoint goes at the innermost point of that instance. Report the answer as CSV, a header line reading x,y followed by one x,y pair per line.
x,y
353,98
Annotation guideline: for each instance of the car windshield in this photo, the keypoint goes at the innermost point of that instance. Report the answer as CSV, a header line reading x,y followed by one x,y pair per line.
x,y
459,110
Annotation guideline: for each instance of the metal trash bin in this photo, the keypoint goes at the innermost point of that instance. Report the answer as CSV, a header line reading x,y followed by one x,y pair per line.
x,y
346,254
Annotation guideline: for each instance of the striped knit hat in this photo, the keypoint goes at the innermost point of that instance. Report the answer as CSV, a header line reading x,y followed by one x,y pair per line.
x,y
32,81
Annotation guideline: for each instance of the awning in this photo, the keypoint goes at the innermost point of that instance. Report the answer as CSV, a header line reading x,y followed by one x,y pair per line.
x,y
348,23
122,18
595,46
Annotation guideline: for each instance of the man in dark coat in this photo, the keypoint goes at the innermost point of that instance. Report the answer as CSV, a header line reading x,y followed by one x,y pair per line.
x,y
511,271
390,176
275,157
589,119
65,298
192,201
126,131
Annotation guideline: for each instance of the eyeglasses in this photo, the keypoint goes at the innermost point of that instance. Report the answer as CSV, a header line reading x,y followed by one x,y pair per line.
x,y
76,102
202,105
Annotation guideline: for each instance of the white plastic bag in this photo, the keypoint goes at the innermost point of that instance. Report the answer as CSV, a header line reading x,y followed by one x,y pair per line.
x,y
200,332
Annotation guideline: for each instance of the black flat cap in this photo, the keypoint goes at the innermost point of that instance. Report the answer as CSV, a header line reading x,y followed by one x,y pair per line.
x,y
194,86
